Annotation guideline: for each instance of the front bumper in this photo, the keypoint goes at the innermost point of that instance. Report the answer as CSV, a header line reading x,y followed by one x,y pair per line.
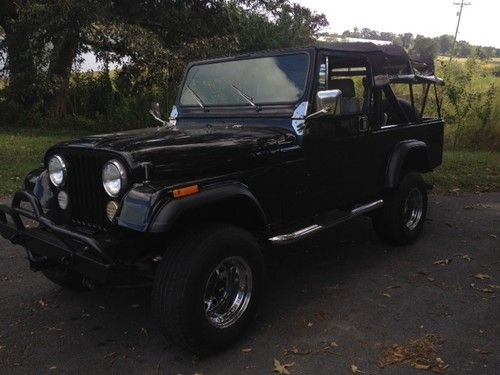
x,y
51,244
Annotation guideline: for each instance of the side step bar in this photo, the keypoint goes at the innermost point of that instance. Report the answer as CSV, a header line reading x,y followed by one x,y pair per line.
x,y
300,234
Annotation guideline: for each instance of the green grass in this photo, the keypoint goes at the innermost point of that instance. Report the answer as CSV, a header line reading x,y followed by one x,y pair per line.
x,y
470,171
22,150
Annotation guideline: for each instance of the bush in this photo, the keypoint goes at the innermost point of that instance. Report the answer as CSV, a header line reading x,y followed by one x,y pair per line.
x,y
470,105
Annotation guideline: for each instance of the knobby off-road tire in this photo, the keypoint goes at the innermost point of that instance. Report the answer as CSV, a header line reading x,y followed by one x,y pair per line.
x,y
200,275
66,278
400,220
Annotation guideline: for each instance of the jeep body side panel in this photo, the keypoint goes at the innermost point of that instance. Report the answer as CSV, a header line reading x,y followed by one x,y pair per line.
x,y
413,146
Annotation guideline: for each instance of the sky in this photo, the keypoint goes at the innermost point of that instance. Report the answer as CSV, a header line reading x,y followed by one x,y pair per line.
x,y
479,24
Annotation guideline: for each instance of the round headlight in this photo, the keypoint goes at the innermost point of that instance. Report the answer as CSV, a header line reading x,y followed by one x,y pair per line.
x,y
114,177
57,170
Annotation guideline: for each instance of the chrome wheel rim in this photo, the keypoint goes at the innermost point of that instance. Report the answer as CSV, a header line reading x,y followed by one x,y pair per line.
x,y
413,209
228,292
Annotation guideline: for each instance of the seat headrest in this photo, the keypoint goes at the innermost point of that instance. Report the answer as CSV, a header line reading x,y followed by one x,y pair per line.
x,y
345,85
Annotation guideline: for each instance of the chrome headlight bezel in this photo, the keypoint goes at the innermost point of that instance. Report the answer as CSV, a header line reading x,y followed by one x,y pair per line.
x,y
114,177
56,165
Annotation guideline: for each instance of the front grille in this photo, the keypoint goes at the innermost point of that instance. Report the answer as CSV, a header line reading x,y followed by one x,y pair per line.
x,y
86,193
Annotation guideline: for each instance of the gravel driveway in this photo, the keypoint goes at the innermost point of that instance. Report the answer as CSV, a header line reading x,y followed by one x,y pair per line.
x,y
342,303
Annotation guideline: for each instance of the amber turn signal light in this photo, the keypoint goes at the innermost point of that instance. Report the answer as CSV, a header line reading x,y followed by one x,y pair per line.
x,y
185,191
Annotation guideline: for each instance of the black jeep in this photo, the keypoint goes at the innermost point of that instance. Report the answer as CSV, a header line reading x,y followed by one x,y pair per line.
x,y
260,150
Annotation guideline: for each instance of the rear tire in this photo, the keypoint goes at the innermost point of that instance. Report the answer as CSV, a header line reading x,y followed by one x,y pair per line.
x,y
66,278
400,220
207,287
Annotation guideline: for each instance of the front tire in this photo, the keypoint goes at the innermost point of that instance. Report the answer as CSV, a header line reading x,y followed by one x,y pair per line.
x,y
207,287
400,220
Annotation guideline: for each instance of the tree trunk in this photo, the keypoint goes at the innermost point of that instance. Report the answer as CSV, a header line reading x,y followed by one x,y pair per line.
x,y
20,59
59,73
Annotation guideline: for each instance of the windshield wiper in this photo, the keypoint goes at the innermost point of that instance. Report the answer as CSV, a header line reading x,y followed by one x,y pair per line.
x,y
247,97
196,97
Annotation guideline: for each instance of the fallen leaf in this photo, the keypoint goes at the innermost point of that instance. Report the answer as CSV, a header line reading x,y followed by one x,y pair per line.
x,y
482,276
355,370
466,257
468,207
246,350
282,369
393,287
298,352
492,235
52,368
2,347
42,303
442,262
420,366
387,295
431,279
309,324
334,344
486,290
483,351
420,353
494,286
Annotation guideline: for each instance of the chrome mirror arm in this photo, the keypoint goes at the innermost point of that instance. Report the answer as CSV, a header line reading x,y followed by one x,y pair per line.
x,y
157,118
321,112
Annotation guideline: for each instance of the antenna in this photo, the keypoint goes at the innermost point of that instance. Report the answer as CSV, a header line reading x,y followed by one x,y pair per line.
x,y
459,14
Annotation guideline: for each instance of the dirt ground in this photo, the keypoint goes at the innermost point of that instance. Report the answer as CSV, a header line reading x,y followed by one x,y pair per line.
x,y
341,303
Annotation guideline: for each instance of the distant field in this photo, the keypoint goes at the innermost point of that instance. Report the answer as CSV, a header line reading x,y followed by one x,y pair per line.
x,y
22,151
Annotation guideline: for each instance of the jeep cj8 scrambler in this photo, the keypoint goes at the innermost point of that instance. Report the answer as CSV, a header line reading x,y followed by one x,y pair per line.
x,y
260,150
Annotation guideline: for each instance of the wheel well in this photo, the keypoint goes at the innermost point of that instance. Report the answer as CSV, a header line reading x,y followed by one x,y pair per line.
x,y
238,211
411,155
416,160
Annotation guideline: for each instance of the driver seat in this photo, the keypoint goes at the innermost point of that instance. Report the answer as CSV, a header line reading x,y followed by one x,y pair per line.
x,y
349,102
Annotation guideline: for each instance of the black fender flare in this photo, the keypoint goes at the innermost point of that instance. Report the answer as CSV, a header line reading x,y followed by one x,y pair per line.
x,y
410,151
171,210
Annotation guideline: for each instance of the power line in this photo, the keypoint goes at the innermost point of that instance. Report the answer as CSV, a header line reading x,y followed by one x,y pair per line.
x,y
459,13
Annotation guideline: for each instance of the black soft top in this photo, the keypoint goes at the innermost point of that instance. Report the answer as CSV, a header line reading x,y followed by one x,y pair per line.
x,y
389,59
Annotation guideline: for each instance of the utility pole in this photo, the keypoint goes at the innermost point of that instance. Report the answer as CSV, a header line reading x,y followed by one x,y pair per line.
x,y
459,13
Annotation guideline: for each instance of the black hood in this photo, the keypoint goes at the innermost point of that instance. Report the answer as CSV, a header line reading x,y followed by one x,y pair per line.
x,y
193,149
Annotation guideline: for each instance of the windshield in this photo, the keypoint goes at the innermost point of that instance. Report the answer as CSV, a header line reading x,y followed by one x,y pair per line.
x,y
250,82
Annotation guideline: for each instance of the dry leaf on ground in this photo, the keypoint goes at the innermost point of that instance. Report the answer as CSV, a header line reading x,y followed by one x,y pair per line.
x,y
246,350
482,276
420,354
442,262
282,369
486,290
355,370
483,351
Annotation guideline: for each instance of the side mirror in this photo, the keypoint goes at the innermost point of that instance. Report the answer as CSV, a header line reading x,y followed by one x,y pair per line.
x,y
328,102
